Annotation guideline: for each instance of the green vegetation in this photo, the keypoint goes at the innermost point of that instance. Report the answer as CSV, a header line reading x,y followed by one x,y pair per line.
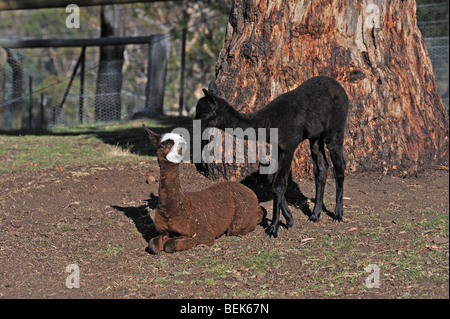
x,y
81,145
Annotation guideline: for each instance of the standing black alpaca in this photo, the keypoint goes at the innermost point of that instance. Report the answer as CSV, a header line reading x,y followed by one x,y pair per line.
x,y
317,111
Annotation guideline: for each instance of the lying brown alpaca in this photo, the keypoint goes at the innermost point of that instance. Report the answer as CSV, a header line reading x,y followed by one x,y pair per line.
x,y
186,220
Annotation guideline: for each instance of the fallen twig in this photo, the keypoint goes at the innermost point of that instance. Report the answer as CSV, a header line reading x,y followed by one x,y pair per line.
x,y
388,250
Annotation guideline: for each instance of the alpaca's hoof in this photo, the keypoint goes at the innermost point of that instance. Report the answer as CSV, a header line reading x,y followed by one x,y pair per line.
x,y
150,251
337,219
289,224
313,219
272,231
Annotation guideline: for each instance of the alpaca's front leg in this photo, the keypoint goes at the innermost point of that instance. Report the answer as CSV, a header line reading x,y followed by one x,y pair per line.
x,y
184,243
279,187
156,244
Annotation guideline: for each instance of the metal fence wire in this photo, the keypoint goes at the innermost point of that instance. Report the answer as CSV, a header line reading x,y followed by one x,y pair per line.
x,y
36,98
34,95
47,86
433,22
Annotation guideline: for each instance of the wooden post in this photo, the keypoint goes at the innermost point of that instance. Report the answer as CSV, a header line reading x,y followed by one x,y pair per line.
x,y
15,103
54,118
158,57
71,79
81,102
30,103
183,59
41,112
3,65
66,43
108,101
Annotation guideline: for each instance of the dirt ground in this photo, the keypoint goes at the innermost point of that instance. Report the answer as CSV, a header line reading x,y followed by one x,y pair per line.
x,y
100,218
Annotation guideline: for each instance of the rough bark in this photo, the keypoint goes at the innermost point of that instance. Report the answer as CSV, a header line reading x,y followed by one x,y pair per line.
x,y
398,123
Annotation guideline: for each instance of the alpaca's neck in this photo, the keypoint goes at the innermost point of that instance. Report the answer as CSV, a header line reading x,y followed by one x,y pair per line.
x,y
234,118
170,193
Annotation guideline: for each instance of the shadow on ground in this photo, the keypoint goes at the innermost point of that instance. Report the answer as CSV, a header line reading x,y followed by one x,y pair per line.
x,y
141,218
261,185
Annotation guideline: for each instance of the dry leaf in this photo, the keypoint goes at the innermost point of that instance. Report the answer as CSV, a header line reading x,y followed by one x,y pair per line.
x,y
260,276
440,240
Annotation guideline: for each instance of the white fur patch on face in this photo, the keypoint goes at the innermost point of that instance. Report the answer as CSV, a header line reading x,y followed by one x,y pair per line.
x,y
179,144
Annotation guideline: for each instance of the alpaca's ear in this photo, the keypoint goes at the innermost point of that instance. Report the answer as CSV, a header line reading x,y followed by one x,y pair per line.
x,y
154,137
213,88
214,99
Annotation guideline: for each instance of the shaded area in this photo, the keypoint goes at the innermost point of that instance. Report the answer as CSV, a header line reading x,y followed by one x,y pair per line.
x,y
141,218
262,186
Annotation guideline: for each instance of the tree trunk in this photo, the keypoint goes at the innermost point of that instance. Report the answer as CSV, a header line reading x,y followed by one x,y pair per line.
x,y
14,106
109,79
158,57
398,123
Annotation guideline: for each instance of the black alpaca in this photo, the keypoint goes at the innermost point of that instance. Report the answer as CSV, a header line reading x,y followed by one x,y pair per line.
x,y
317,111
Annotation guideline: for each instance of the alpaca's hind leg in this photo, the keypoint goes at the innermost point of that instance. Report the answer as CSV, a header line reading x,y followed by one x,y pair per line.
x,y
284,206
156,244
320,168
287,213
184,243
337,157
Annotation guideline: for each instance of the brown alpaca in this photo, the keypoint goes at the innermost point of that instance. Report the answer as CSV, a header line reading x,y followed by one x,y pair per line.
x,y
186,220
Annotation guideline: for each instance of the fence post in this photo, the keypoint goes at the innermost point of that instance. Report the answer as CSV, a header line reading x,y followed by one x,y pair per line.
x,y
14,105
41,112
3,61
81,102
158,57
183,59
71,79
30,103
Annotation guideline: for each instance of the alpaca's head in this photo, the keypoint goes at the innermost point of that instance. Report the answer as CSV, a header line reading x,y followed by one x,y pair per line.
x,y
170,146
177,145
211,108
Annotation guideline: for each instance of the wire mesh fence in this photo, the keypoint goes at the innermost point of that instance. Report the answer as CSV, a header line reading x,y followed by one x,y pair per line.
x,y
46,86
36,98
433,22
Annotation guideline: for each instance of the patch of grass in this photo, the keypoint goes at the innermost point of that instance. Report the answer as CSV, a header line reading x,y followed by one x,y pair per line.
x,y
162,280
263,260
118,151
259,260
441,221
416,258
213,264
109,127
36,152
111,251
64,227
60,147
97,144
